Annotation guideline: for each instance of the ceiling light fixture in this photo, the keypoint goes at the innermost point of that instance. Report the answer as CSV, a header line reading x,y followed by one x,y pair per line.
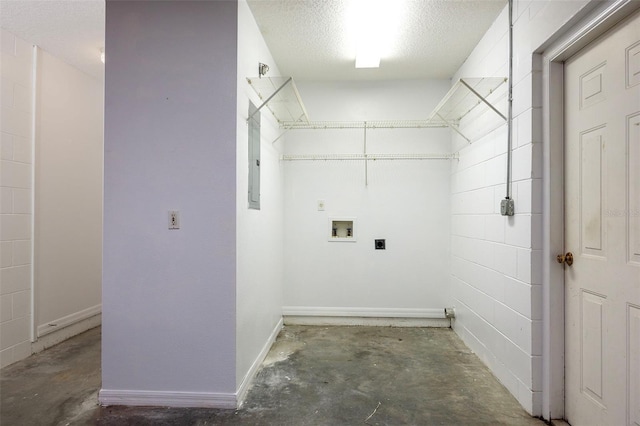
x,y
373,24
367,58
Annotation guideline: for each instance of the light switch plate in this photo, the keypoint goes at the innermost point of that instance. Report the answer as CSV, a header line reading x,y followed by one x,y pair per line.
x,y
174,219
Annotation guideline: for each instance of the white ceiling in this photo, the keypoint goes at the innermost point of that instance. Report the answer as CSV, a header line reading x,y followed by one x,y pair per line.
x,y
72,30
307,38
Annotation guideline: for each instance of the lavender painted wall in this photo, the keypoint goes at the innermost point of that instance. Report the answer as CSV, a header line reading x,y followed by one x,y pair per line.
x,y
170,144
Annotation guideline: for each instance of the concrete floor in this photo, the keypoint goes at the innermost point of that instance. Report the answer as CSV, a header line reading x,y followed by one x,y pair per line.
x,y
312,376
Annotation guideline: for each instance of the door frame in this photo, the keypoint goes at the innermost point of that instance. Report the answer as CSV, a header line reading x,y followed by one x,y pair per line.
x,y
575,35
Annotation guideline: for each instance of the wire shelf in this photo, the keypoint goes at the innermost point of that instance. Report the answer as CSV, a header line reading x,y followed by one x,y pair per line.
x,y
379,124
367,157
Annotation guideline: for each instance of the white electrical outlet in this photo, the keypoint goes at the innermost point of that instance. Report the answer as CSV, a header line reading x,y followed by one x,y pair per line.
x,y
174,219
320,205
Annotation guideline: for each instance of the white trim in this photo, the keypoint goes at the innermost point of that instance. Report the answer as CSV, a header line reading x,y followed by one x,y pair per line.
x,y
241,393
318,311
553,242
588,29
380,317
167,398
68,320
368,322
32,248
63,334
605,16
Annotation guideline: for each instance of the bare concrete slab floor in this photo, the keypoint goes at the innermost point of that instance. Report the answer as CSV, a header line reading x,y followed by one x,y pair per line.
x,y
312,376
58,386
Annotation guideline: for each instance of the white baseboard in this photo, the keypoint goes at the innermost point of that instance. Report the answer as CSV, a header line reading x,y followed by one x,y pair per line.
x,y
66,321
61,334
388,317
191,399
251,374
368,322
167,399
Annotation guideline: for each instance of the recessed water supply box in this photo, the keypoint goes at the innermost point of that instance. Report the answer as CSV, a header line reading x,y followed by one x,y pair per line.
x,y
342,229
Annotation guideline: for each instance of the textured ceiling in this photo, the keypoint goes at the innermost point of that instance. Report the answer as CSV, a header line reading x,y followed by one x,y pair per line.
x,y
308,38
72,30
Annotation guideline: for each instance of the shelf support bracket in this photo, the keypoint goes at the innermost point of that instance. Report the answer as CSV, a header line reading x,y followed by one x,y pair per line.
x,y
482,99
270,97
366,163
453,127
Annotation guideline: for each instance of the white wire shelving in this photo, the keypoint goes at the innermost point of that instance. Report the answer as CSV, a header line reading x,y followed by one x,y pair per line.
x,y
367,157
467,95
378,124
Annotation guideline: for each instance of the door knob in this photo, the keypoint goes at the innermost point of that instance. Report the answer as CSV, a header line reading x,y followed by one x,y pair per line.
x,y
565,258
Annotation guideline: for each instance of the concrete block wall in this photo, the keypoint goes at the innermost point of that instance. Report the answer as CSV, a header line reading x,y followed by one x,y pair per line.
x,y
51,207
496,261
15,204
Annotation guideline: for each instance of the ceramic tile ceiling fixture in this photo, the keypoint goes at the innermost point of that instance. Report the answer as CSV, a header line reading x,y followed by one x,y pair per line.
x,y
309,39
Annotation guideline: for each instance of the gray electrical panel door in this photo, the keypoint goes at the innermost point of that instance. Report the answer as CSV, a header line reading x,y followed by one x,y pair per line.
x,y
254,157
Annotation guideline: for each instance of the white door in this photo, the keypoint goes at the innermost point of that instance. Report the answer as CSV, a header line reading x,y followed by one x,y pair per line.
x,y
602,229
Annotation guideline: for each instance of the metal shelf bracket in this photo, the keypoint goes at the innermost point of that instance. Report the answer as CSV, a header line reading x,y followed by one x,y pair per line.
x,y
465,96
281,96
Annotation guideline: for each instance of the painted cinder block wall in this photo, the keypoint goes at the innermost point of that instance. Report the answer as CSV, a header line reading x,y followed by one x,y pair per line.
x,y
16,191
496,262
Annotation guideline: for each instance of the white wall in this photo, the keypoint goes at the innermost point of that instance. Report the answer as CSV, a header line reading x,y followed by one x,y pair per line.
x,y
259,274
15,204
68,195
405,202
68,200
496,261
169,296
